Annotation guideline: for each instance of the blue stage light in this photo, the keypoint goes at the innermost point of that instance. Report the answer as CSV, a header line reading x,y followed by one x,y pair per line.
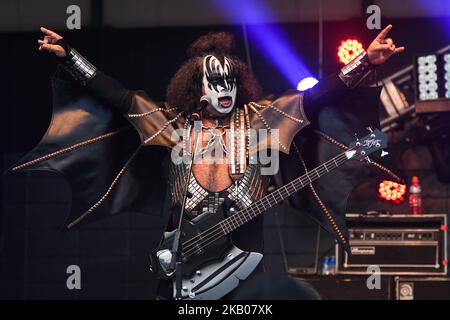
x,y
268,38
307,83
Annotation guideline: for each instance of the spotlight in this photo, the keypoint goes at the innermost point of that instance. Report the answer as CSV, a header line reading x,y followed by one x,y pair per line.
x,y
348,50
427,77
432,73
391,191
447,75
307,83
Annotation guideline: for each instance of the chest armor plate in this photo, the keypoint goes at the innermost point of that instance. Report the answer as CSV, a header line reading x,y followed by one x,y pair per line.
x,y
242,192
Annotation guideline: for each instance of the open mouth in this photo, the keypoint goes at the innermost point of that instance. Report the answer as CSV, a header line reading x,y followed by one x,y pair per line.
x,y
225,102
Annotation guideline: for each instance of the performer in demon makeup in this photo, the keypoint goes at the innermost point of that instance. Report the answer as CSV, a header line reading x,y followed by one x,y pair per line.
x,y
124,171
219,83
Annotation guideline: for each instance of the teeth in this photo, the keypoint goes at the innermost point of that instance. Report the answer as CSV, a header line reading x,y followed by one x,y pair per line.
x,y
225,102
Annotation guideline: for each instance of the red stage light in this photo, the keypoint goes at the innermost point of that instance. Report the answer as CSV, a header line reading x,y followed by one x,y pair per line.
x,y
391,191
348,50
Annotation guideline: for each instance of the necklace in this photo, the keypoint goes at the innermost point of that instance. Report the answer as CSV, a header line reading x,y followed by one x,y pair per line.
x,y
216,136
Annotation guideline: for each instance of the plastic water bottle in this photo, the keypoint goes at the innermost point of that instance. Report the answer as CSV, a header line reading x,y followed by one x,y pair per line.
x,y
325,269
415,197
332,265
328,265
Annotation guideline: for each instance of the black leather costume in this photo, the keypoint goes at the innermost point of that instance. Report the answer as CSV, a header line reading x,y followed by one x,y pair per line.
x,y
111,169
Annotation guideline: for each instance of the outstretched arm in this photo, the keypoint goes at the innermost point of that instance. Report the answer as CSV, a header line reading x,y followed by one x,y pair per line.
x,y
332,87
102,86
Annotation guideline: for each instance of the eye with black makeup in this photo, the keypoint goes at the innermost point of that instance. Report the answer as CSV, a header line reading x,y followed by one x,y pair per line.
x,y
216,80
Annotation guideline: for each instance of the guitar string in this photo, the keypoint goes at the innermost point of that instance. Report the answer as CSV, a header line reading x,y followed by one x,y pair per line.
x,y
216,236
203,233
231,225
243,212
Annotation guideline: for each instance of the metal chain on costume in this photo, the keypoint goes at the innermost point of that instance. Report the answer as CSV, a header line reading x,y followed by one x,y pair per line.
x,y
344,147
318,200
212,131
247,126
239,144
138,115
186,136
241,140
267,125
68,149
271,106
211,142
163,128
108,192
232,142
386,170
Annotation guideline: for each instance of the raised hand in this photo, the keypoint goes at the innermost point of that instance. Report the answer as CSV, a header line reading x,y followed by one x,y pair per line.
x,y
48,43
382,48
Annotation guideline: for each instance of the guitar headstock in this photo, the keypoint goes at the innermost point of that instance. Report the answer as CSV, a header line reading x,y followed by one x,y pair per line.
x,y
363,147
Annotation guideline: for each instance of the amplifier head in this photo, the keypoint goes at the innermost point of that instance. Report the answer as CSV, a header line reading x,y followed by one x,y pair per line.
x,y
397,244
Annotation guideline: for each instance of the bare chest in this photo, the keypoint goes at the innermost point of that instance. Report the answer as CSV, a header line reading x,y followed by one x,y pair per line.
x,y
211,171
212,177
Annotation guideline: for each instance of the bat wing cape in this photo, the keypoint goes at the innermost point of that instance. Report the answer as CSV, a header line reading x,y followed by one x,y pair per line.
x,y
110,170
99,154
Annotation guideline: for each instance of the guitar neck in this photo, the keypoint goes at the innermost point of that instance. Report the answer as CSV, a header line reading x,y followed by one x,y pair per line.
x,y
245,215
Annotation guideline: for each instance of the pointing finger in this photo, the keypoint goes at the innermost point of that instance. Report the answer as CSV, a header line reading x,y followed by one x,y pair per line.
x,y
384,32
50,33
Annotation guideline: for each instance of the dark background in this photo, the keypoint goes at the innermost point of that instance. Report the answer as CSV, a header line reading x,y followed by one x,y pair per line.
x,y
113,252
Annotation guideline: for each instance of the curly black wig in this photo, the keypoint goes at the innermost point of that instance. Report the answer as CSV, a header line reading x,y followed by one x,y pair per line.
x,y
185,87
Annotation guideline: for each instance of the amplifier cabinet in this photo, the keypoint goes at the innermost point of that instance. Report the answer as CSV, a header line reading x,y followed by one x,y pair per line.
x,y
427,288
398,244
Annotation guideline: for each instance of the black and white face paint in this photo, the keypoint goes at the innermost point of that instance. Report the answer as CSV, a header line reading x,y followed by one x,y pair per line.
x,y
219,83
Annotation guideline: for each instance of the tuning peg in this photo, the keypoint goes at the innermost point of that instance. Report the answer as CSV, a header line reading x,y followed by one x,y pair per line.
x,y
368,160
370,129
384,153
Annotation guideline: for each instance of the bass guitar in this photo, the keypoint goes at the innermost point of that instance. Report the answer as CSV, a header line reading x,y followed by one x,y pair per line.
x,y
212,265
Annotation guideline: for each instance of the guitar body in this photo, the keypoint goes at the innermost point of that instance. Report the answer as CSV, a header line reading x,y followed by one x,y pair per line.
x,y
212,265
209,272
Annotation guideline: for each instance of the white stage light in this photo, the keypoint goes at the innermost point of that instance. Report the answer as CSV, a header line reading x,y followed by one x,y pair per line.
x,y
307,83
